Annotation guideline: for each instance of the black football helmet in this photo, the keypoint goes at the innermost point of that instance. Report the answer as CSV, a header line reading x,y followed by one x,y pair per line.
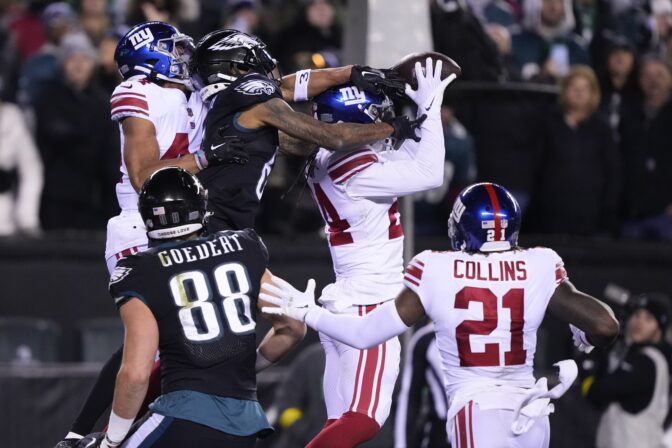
x,y
172,203
223,56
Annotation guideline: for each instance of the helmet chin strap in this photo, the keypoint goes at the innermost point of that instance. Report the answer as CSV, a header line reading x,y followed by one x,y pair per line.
x,y
211,90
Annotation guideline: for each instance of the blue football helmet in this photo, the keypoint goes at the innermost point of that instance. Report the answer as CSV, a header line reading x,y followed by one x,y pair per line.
x,y
346,103
485,218
157,50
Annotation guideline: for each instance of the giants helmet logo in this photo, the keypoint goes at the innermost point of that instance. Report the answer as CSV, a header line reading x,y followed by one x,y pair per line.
x,y
256,87
141,38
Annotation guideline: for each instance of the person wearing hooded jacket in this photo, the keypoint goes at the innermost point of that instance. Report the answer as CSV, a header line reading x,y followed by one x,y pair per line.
x,y
634,388
546,47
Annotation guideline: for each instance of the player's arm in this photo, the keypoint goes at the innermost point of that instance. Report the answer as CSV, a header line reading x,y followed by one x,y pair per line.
x,y
306,84
295,146
301,86
141,342
284,335
141,152
338,136
361,332
423,166
423,169
587,313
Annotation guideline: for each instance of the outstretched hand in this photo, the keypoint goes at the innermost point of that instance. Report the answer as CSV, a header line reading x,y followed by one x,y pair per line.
x,y
429,94
289,301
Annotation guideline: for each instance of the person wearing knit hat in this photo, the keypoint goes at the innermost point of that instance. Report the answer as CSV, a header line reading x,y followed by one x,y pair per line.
x,y
634,389
58,19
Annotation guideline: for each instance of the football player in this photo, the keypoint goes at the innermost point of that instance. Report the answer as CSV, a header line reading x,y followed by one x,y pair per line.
x,y
238,77
161,124
195,299
487,299
356,192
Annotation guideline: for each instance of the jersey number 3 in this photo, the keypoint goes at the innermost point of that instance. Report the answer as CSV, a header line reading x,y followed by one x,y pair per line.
x,y
201,320
513,300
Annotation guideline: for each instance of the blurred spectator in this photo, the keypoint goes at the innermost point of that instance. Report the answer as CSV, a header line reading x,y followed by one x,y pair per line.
x,y
587,14
244,15
661,25
20,174
646,133
77,141
432,207
579,187
58,19
152,10
460,34
9,67
493,11
316,30
634,385
422,407
501,36
108,73
547,47
94,18
27,31
300,401
618,82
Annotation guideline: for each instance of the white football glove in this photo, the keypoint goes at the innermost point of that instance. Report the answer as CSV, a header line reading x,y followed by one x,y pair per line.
x,y
429,95
290,301
581,340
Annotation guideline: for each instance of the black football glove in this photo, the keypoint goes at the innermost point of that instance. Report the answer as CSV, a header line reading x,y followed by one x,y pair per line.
x,y
404,127
67,443
226,150
92,440
378,81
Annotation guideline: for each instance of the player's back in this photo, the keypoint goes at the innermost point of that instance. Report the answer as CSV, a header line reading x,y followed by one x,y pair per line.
x,y
486,310
177,119
365,234
203,294
235,190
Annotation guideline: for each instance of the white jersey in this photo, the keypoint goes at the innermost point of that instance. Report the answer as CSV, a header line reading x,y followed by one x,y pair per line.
x,y
486,310
178,122
356,193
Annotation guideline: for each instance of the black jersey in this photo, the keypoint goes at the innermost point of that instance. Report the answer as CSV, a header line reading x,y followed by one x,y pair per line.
x,y
234,191
203,294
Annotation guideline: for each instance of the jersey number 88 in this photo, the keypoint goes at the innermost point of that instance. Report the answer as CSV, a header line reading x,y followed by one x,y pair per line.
x,y
198,314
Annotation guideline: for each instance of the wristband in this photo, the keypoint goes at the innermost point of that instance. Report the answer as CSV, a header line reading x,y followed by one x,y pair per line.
x,y
301,85
117,429
201,160
261,362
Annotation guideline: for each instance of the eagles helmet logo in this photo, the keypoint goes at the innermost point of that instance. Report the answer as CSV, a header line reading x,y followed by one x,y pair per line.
x,y
236,40
119,274
256,87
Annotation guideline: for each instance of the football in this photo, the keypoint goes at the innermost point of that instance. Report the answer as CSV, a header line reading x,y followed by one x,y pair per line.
x,y
406,66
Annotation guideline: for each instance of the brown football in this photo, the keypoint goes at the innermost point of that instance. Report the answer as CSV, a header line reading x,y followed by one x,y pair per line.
x,y
406,66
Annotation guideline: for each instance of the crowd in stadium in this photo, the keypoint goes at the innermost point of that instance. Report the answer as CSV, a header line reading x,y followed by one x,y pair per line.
x,y
596,162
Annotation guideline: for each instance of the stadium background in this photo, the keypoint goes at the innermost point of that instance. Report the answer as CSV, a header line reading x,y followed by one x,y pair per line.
x,y
599,193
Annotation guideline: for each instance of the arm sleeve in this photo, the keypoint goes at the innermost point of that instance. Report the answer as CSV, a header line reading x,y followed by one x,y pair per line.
x,y
133,99
360,332
413,277
125,281
559,268
422,170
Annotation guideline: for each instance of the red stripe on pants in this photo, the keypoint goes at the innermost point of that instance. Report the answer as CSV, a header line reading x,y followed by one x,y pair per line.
x,y
461,418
